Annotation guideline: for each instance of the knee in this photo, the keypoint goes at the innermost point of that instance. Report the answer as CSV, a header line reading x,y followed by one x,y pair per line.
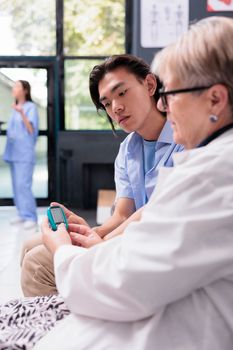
x,y
35,258
29,245
37,277
28,267
30,263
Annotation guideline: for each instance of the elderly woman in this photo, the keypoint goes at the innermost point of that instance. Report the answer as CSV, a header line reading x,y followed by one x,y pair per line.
x,y
167,282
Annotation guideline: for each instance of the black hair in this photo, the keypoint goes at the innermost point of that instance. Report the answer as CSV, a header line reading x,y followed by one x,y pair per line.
x,y
133,64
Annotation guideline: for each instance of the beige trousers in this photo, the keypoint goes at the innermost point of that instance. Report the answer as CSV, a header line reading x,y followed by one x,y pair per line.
x,y
37,274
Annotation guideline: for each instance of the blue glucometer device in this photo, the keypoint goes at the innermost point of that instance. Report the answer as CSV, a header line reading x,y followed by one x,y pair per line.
x,y
56,216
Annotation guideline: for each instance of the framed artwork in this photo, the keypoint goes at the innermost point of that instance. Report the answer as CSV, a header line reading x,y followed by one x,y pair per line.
x,y
219,5
162,22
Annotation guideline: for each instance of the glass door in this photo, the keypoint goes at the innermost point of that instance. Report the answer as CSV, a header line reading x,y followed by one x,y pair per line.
x,y
41,81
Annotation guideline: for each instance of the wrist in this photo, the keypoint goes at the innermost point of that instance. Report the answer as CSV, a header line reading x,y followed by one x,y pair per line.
x,y
58,245
98,230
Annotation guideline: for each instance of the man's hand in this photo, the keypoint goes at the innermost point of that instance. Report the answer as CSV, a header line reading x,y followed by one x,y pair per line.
x,y
54,239
71,217
83,236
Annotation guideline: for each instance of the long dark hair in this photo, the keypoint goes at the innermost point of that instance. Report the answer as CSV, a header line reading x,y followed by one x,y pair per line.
x,y
133,64
27,88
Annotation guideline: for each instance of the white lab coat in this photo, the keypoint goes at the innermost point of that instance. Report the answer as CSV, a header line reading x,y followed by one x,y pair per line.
x,y
167,283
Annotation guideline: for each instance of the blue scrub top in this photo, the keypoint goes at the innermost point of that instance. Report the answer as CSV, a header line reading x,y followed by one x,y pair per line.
x,y
130,179
20,145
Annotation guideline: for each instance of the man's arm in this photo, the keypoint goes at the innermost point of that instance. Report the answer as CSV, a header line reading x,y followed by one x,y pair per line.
x,y
124,208
136,216
86,237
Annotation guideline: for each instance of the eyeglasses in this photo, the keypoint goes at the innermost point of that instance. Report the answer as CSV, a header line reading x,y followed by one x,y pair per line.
x,y
163,94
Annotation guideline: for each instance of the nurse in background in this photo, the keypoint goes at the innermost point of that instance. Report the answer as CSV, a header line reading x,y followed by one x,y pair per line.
x,y
22,134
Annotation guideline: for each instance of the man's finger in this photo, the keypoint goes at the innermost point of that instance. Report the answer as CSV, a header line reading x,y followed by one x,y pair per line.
x,y
82,229
79,239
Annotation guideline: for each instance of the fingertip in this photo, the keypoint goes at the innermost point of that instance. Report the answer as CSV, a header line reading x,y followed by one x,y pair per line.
x,y
61,225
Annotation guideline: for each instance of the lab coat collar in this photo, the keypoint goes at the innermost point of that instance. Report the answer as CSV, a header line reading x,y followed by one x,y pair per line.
x,y
224,133
215,135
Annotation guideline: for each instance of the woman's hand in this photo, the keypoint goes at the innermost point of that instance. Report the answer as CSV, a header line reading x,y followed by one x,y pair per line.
x,y
71,217
83,236
18,107
54,239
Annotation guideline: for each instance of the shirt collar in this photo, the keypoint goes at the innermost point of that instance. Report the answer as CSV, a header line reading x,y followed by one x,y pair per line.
x,y
166,135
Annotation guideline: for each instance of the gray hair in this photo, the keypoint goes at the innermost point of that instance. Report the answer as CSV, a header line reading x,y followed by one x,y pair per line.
x,y
202,56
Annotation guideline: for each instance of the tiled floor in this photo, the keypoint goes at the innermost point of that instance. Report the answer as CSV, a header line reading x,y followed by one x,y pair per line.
x,y
11,241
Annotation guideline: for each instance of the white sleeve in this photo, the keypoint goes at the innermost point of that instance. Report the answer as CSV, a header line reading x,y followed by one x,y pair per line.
x,y
183,242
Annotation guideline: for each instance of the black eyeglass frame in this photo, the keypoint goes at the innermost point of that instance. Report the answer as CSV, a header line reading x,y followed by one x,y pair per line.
x,y
163,94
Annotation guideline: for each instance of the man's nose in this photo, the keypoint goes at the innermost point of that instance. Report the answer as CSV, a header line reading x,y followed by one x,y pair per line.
x,y
117,107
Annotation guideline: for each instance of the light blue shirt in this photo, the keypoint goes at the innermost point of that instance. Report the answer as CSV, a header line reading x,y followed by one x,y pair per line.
x,y
20,145
149,154
130,179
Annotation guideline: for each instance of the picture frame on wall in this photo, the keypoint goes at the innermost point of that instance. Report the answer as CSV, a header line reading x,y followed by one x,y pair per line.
x,y
162,22
219,5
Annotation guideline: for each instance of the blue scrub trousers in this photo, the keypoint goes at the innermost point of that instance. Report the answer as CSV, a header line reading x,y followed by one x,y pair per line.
x,y
21,175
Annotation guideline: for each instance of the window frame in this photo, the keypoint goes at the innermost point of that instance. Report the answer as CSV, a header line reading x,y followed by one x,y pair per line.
x,y
61,58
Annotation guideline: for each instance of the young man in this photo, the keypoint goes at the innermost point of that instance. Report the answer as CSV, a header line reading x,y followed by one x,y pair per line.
x,y
126,89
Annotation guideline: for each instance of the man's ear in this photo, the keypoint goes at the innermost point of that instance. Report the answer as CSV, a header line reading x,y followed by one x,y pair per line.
x,y
151,83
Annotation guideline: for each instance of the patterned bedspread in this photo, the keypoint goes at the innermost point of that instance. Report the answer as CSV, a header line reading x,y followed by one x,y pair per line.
x,y
24,321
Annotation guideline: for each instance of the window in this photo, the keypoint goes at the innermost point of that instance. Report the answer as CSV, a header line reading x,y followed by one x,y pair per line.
x,y
27,27
93,30
54,44
80,111
94,27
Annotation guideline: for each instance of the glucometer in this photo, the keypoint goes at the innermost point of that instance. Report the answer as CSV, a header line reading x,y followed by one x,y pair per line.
x,y
56,216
